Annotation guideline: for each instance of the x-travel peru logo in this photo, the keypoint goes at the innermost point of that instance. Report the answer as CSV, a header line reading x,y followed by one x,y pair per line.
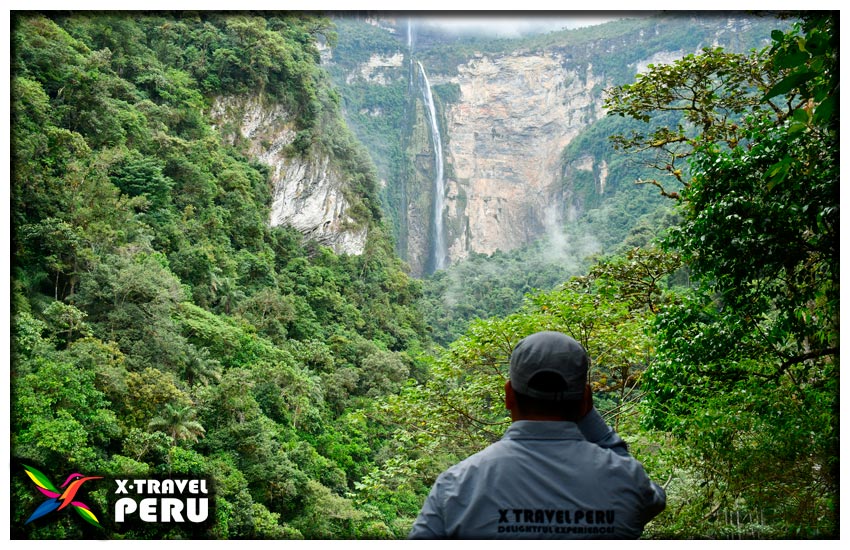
x,y
58,499
108,508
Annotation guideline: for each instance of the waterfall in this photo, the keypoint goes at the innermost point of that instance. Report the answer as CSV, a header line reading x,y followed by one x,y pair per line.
x,y
409,36
439,240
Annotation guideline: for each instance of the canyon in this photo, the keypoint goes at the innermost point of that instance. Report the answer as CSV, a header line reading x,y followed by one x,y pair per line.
x,y
506,116
471,144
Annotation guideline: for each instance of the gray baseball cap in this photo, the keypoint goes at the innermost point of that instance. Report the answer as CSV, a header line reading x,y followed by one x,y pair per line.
x,y
553,352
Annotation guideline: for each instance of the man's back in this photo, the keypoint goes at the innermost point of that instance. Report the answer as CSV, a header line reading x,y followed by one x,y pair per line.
x,y
542,480
558,472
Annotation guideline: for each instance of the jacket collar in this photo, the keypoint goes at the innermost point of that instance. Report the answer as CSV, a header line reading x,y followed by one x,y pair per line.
x,y
542,429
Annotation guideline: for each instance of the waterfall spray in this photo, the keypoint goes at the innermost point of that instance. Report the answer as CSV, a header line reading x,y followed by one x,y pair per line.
x,y
439,241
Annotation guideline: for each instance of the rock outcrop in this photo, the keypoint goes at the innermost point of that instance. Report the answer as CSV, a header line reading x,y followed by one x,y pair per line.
x,y
515,116
308,192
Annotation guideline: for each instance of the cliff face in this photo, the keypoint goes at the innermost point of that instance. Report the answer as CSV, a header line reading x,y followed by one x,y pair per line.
x,y
515,115
505,118
504,129
307,192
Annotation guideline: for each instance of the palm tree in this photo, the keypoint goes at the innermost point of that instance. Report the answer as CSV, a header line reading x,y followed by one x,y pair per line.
x,y
179,422
198,366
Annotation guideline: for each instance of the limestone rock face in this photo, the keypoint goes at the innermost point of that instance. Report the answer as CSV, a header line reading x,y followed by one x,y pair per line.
x,y
307,192
505,136
379,69
308,196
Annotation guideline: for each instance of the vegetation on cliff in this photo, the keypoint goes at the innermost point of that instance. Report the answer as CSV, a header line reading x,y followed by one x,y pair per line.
x,y
159,325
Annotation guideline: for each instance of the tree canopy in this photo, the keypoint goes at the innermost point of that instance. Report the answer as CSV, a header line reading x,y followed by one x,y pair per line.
x,y
159,325
748,360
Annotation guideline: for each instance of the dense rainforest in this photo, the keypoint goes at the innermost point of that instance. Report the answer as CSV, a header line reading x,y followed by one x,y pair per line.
x,y
162,328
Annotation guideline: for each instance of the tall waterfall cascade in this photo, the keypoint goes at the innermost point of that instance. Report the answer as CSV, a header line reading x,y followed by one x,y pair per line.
x,y
438,246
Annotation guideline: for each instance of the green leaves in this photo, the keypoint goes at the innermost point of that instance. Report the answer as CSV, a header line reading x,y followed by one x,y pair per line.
x,y
806,58
789,83
178,421
157,315
778,172
739,354
460,409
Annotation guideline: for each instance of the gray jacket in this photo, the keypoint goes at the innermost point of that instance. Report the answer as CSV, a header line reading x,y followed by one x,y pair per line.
x,y
544,480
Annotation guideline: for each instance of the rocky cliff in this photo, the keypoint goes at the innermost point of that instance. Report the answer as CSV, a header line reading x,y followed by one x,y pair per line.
x,y
308,191
506,133
506,116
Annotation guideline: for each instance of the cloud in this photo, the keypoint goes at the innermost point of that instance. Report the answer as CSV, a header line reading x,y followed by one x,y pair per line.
x,y
511,26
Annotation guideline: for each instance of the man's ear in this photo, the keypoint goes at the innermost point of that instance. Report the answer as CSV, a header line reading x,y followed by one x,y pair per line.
x,y
510,397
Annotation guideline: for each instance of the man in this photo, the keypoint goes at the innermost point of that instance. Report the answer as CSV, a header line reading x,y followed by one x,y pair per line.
x,y
558,472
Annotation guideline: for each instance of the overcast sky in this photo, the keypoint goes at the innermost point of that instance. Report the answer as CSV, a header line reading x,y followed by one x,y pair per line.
x,y
514,25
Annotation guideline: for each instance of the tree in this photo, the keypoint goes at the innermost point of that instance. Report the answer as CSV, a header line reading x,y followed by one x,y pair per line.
x,y
763,186
148,285
634,277
697,99
748,360
383,372
178,421
59,415
148,391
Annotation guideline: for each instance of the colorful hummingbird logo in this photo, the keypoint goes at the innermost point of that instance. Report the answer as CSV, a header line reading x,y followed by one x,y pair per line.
x,y
62,497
